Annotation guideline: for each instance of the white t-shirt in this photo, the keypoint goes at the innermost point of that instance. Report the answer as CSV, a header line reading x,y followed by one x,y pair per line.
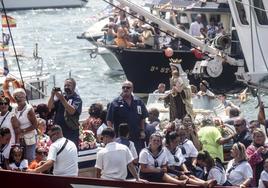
x,y
190,149
113,161
5,121
66,163
171,159
147,158
195,28
133,150
23,165
240,173
218,174
264,177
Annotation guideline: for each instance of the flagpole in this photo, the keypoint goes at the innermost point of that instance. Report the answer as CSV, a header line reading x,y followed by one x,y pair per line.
x,y
13,44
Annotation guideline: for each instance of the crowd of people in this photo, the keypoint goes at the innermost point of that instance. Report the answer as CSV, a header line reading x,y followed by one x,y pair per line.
x,y
46,138
135,142
127,29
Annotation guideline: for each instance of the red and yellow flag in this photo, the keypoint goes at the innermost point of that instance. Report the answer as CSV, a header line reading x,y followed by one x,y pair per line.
x,y
11,21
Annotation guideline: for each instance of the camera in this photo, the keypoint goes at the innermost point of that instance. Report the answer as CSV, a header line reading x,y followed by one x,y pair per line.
x,y
56,89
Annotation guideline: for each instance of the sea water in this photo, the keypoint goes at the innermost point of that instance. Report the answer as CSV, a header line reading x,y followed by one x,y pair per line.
x,y
55,31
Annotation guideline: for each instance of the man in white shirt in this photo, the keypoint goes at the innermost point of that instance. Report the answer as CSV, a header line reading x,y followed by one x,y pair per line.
x,y
62,155
114,159
196,26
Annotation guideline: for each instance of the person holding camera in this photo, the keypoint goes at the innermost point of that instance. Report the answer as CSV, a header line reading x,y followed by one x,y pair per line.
x,y
67,106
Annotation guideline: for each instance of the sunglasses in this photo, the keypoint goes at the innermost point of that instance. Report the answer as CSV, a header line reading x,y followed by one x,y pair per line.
x,y
3,103
126,87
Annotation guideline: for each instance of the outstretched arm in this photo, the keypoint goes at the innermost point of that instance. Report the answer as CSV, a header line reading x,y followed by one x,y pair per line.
x,y
261,114
46,166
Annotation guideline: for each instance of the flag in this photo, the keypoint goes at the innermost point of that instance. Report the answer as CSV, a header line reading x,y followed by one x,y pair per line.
x,y
11,21
3,47
6,70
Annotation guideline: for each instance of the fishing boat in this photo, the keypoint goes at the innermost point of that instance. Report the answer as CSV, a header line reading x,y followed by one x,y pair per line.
x,y
146,68
11,5
251,20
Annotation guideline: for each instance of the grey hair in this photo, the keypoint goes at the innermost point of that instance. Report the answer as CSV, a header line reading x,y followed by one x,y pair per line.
x,y
19,90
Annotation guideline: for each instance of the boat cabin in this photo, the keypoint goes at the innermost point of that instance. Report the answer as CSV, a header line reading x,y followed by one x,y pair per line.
x,y
185,12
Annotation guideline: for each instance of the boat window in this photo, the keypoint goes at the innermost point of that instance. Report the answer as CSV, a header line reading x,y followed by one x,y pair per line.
x,y
183,20
260,12
241,12
215,17
33,92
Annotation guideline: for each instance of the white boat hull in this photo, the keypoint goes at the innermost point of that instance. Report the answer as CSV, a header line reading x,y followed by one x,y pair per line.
x,y
39,4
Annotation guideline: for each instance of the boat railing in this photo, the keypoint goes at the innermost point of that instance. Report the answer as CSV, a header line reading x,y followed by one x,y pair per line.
x,y
30,80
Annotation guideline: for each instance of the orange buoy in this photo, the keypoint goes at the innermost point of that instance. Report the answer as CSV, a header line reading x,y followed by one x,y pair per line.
x,y
15,84
168,52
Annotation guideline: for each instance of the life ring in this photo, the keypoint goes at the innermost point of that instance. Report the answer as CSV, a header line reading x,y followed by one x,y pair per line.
x,y
15,84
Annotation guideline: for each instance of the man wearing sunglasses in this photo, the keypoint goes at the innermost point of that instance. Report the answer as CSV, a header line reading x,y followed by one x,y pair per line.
x,y
129,109
242,132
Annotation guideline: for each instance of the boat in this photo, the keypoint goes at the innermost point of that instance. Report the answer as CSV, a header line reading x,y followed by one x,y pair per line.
x,y
34,79
251,20
12,5
146,68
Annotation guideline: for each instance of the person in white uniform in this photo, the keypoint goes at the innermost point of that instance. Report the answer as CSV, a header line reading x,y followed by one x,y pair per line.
x,y
263,181
153,163
5,136
239,171
9,120
113,160
196,26
62,155
176,161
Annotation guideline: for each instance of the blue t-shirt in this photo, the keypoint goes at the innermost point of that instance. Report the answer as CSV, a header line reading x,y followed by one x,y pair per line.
x,y
120,112
76,102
